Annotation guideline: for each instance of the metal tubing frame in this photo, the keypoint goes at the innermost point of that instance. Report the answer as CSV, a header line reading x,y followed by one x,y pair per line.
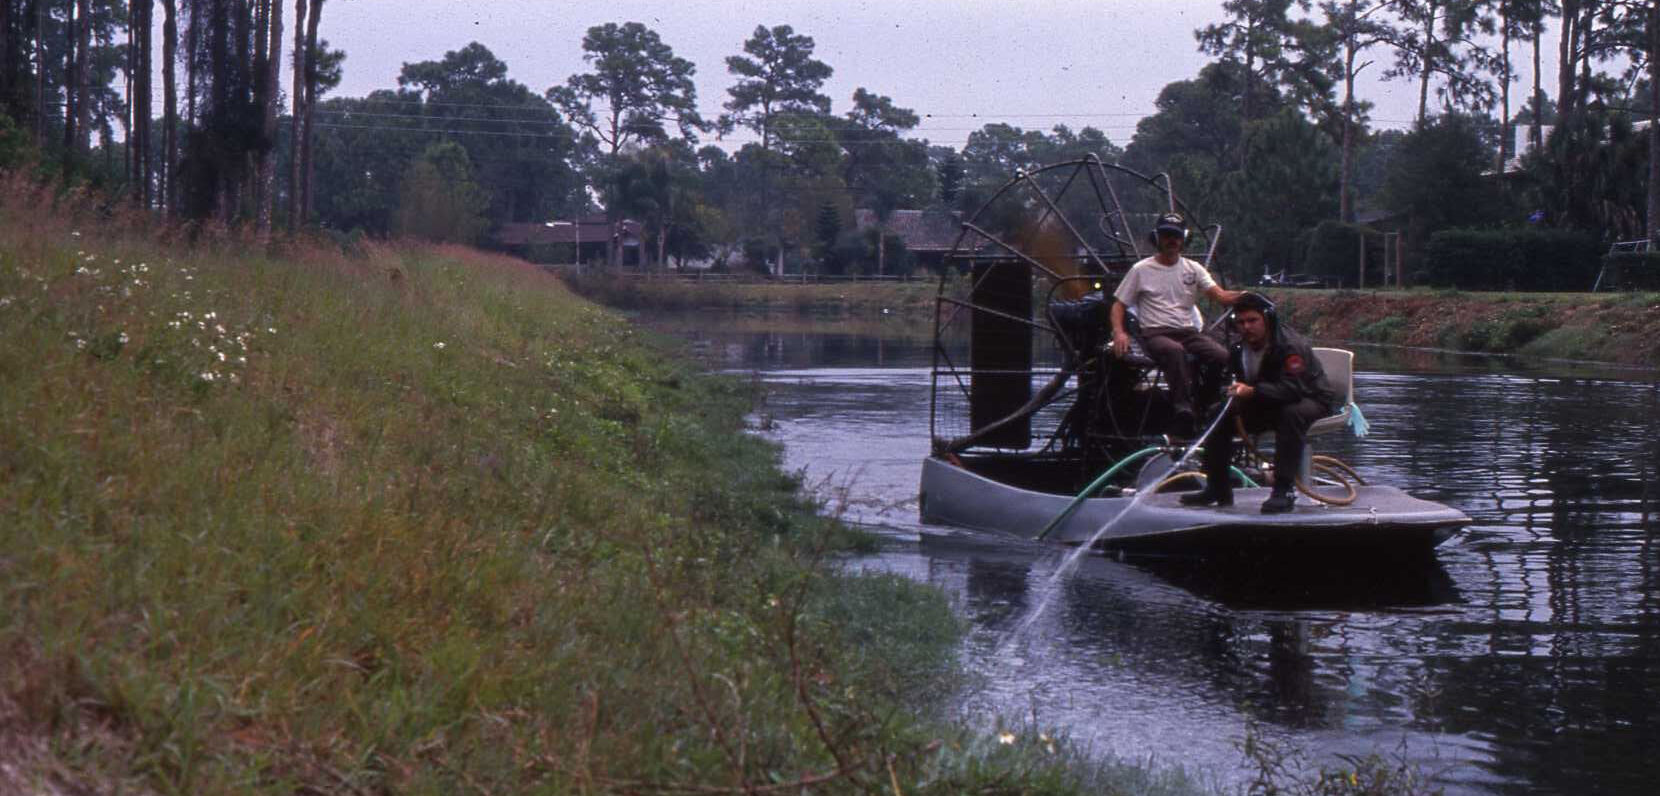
x,y
1112,207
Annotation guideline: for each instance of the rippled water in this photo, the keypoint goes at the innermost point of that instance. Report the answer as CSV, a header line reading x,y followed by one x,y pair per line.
x,y
1524,656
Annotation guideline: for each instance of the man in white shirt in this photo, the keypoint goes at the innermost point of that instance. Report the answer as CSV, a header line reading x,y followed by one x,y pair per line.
x,y
1164,289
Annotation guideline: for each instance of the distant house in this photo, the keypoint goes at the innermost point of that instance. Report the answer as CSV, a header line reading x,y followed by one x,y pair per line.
x,y
556,241
927,234
1524,144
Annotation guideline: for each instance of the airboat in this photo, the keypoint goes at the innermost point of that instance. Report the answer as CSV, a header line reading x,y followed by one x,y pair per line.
x,y
1040,432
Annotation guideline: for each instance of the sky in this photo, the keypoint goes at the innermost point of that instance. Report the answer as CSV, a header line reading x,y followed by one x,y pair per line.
x,y
959,63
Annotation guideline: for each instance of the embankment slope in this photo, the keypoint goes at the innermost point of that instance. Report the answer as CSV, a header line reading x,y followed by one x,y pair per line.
x,y
421,520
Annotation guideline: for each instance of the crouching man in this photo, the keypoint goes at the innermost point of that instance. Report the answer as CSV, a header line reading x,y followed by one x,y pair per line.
x,y
1280,387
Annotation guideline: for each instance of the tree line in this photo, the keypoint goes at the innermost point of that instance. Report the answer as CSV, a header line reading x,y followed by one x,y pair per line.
x,y
77,88
1269,138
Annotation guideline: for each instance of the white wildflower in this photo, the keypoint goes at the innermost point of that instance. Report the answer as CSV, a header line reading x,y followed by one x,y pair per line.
x,y
210,315
5,301
208,375
219,328
123,338
438,345
270,330
1005,738
220,354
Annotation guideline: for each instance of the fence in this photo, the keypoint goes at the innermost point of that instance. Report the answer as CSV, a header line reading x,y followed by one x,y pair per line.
x,y
1629,265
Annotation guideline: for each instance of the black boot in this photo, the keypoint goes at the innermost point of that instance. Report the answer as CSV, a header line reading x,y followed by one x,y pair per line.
x,y
1183,424
1217,495
1279,502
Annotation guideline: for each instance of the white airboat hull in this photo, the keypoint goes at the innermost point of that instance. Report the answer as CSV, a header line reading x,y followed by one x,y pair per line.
x,y
1380,517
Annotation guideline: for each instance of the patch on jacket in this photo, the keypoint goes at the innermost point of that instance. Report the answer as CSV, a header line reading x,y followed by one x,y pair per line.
x,y
1294,365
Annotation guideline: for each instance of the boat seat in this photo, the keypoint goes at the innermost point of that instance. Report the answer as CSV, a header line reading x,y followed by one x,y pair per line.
x,y
1339,365
1340,373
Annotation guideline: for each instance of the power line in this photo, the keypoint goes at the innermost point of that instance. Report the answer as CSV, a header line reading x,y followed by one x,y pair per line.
x,y
388,128
440,118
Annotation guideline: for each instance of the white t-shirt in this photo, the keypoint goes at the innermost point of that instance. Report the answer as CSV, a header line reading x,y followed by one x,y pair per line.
x,y
1164,295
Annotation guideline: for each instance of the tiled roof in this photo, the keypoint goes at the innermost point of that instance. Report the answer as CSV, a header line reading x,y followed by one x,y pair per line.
x,y
921,230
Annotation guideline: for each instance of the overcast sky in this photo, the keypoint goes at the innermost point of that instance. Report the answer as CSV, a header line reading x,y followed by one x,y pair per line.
x,y
959,63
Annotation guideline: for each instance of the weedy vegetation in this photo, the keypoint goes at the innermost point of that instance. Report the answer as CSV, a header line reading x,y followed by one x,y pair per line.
x,y
421,520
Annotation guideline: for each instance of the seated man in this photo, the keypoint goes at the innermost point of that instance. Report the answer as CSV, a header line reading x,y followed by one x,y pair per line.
x,y
1281,386
1164,288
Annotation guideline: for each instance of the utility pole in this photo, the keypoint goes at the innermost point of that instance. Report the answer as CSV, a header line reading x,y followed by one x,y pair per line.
x,y
1360,283
1400,262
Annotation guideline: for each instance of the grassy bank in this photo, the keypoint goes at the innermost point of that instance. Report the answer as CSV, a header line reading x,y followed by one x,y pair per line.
x,y
1605,327
420,520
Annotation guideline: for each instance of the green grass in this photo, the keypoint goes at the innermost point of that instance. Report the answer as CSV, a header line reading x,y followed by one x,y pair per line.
x,y
1383,330
421,520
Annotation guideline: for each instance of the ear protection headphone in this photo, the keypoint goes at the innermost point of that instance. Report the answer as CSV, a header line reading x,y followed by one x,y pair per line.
x,y
1260,303
1168,220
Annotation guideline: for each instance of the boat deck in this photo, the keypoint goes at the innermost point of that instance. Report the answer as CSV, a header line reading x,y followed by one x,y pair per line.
x,y
1380,516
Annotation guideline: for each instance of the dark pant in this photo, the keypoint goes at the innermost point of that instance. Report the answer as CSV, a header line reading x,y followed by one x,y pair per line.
x,y
1170,347
1289,422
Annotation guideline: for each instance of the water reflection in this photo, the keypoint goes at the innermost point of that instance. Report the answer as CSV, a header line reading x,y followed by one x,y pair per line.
x,y
1523,656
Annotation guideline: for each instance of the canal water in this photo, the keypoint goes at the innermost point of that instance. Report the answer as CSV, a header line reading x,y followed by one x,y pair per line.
x,y
1522,657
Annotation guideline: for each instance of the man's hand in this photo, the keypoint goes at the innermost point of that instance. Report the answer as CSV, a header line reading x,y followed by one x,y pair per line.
x,y
1223,296
1241,391
1120,343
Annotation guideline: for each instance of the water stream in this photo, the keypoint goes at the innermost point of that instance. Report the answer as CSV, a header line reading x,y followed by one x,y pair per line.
x,y
1070,562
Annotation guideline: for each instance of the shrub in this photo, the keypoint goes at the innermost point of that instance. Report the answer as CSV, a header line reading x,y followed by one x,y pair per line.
x,y
1331,251
1511,259
1383,330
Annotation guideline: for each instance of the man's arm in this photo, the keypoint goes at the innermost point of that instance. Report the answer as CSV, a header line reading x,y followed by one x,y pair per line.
x,y
1120,338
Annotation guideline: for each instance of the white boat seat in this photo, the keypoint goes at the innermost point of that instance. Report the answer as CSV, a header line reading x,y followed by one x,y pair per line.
x,y
1340,374
1339,365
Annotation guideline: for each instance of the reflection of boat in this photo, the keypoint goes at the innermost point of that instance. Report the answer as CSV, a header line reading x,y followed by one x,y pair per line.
x,y
1030,412
1412,579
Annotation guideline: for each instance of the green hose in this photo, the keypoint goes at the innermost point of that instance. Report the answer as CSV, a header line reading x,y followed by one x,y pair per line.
x,y
1102,480
1095,485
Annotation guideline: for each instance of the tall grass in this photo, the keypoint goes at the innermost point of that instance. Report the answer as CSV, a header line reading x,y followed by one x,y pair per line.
x,y
418,520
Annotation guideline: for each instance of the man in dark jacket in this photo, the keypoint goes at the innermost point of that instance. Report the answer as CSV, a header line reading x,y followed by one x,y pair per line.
x,y
1281,387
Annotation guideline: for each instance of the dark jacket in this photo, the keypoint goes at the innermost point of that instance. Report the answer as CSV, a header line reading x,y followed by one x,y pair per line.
x,y
1289,371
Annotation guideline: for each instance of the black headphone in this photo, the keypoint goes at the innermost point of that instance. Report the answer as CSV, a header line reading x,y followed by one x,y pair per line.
x,y
1258,302
1168,219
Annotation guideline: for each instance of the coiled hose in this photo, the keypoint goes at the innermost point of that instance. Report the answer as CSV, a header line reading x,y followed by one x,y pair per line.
x,y
1329,468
